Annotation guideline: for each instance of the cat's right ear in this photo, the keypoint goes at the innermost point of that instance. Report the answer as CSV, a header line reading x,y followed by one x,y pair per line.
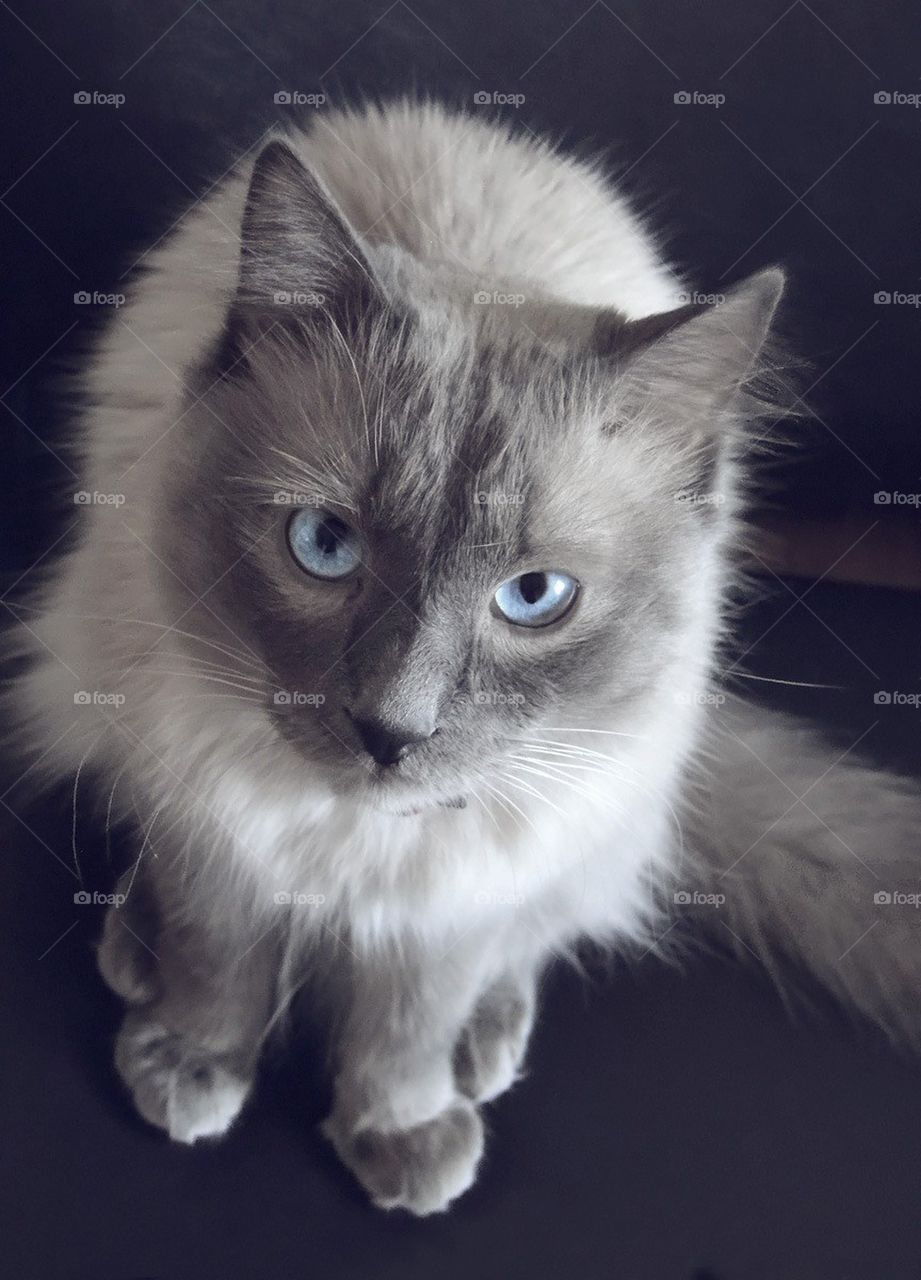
x,y
301,265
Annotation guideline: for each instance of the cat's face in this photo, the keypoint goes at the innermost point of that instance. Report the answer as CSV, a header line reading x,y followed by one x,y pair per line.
x,y
447,527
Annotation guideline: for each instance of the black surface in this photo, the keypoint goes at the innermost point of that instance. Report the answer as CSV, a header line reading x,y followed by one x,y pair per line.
x,y
672,1124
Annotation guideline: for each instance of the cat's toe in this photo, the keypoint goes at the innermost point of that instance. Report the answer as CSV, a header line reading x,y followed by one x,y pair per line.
x,y
491,1047
422,1169
177,1086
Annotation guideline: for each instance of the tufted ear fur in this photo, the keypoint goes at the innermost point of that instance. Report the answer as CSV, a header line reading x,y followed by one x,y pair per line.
x,y
695,359
301,266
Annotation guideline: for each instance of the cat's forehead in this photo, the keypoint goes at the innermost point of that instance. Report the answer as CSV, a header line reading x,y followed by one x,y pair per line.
x,y
468,442
442,439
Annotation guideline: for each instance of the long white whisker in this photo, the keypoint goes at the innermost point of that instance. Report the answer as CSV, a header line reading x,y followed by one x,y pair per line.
x,y
509,805
201,676
522,785
615,733
566,781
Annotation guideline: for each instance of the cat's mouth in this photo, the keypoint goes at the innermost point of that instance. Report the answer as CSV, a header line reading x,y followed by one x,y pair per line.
x,y
383,788
381,799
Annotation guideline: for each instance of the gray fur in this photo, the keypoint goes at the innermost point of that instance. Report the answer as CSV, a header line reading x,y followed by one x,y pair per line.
x,y
305,337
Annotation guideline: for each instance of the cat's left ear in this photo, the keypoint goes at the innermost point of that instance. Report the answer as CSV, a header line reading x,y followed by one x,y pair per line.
x,y
688,365
297,253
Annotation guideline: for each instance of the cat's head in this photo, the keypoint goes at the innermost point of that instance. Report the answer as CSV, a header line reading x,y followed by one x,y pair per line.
x,y
449,513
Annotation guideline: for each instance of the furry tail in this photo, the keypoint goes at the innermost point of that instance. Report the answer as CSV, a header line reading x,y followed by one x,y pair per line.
x,y
816,856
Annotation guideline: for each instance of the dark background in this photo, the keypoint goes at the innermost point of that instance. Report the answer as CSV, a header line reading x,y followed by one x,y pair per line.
x,y
674,1124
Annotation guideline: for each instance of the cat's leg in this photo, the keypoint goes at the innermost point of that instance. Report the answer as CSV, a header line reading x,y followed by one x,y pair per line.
x,y
126,955
491,1048
188,1051
399,1122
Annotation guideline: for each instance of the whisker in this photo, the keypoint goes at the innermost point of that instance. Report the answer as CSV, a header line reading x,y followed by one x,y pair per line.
x,y
615,733
796,684
529,790
202,676
567,781
509,805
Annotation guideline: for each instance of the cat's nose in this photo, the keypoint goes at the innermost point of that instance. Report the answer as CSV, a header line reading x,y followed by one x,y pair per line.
x,y
386,744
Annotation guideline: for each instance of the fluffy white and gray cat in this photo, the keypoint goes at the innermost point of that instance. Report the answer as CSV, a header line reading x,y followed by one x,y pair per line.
x,y
410,507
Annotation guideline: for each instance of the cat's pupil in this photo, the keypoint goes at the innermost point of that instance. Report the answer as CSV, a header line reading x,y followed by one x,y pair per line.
x,y
329,534
532,586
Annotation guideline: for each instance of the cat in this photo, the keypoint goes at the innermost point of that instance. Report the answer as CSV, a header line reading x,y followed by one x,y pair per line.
x,y
413,487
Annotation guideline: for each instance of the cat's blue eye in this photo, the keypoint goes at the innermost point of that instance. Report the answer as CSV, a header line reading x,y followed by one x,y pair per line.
x,y
536,599
323,544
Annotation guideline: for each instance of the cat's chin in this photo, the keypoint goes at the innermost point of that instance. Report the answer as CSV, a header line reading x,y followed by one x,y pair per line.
x,y
400,805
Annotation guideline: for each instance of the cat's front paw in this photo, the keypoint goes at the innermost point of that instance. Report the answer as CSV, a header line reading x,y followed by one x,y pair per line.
x,y
491,1047
422,1169
176,1085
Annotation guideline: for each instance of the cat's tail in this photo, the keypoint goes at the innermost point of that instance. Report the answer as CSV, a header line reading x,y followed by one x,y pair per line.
x,y
810,854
